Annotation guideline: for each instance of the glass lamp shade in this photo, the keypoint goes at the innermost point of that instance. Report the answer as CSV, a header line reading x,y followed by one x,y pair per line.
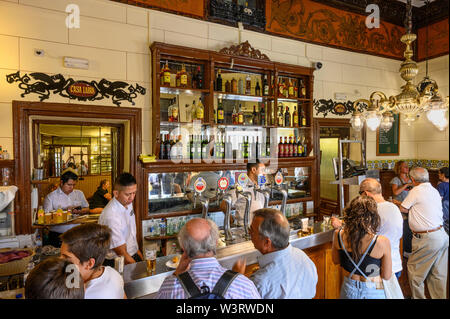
x,y
441,124
357,122
373,120
386,122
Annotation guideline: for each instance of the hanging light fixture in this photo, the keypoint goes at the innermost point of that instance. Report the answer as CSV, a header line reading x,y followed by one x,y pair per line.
x,y
412,100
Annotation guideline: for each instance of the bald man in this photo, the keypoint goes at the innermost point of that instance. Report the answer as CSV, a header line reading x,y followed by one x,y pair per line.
x,y
198,239
391,221
285,272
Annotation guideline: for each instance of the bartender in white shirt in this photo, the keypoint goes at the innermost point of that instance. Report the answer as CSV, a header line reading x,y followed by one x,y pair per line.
x,y
239,202
65,196
119,215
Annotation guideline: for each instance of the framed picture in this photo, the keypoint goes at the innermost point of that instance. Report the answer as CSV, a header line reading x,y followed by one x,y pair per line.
x,y
388,143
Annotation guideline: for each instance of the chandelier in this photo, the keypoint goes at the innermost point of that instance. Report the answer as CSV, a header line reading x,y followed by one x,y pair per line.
x,y
411,102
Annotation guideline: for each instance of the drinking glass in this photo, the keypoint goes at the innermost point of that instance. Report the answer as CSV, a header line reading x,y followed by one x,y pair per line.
x,y
326,220
150,259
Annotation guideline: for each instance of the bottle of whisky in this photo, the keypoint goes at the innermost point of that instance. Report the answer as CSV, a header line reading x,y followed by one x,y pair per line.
x,y
240,115
291,147
265,86
291,89
255,116
257,89
302,89
166,74
200,111
296,88
280,88
178,78
280,115
300,147
287,118
285,89
303,117
248,85
305,148
295,117
175,111
220,112
183,77
219,82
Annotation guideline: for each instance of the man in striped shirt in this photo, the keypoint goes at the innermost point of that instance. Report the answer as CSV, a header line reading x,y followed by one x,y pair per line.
x,y
198,238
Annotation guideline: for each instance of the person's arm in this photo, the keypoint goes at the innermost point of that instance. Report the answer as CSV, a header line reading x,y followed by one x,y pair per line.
x,y
403,209
184,265
335,248
386,260
107,196
336,222
239,266
122,251
398,189
409,201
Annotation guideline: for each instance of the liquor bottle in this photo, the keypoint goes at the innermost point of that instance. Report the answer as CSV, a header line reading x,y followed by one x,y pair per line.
x,y
272,114
257,89
291,89
228,149
248,85
267,146
303,117
265,86
170,112
198,149
183,77
234,116
291,147
200,111
234,88
193,111
280,88
166,147
205,147
240,115
227,87
173,149
287,117
281,148
220,113
246,147
295,117
199,77
215,116
300,147
302,89
286,147
178,78
166,74
161,147
262,115
194,79
180,148
280,116
255,116
305,147
175,111
285,89
222,147
241,86
296,88
191,146
294,148
219,82
257,148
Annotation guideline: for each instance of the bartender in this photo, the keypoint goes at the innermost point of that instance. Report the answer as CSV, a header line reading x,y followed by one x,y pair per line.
x,y
239,202
65,197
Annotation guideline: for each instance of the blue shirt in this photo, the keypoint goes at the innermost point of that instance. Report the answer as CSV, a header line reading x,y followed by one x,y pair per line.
x,y
286,274
443,190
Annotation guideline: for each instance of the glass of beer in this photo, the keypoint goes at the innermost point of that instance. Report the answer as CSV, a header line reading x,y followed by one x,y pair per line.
x,y
311,225
150,259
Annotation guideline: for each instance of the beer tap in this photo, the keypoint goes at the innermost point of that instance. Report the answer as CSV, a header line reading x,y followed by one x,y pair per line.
x,y
248,203
205,204
284,193
266,194
226,224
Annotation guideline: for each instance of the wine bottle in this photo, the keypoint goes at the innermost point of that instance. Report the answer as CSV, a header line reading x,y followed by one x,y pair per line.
x,y
257,149
240,115
166,74
280,115
220,112
265,86
219,82
255,116
199,78
183,77
248,85
257,89
262,115
287,117
281,147
295,117
166,147
161,147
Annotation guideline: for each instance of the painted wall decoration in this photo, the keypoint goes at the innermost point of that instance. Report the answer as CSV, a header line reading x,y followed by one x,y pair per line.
x,y
323,107
188,7
438,34
43,85
317,23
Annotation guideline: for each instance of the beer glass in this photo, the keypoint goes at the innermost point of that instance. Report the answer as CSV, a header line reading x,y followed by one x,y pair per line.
x,y
150,260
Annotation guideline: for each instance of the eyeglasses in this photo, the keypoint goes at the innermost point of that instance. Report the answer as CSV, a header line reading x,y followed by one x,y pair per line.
x,y
361,192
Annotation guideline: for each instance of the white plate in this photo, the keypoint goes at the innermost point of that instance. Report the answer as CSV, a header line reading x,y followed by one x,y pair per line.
x,y
172,265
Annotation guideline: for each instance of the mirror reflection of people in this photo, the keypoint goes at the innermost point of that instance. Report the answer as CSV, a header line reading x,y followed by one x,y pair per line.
x,y
65,197
119,215
82,168
100,198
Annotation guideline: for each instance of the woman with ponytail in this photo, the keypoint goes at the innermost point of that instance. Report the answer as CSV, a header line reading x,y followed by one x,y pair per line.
x,y
364,256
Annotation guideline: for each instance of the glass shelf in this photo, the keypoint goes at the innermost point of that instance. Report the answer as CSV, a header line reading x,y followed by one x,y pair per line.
x,y
175,90
239,97
294,99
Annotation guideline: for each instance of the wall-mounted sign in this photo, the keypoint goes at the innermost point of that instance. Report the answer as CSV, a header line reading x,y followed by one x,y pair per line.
x,y
43,85
388,143
223,183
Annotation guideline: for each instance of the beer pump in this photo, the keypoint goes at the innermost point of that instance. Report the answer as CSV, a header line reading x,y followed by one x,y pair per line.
x,y
199,188
242,181
261,189
279,187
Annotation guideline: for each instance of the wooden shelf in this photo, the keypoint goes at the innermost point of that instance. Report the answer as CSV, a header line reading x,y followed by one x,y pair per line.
x,y
7,163
160,237
293,99
44,181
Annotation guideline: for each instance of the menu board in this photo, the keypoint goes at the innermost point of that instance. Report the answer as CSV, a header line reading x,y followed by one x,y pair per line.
x,y
388,142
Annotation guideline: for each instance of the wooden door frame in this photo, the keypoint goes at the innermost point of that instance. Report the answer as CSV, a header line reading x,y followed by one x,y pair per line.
x,y
22,111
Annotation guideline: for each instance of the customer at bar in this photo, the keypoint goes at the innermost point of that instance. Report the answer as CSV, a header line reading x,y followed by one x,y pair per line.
x,y
429,257
391,221
65,197
86,246
119,216
198,239
357,244
401,185
100,198
285,272
443,190
48,280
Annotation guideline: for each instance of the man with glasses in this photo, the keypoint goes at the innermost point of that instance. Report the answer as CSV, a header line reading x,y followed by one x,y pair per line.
x,y
285,272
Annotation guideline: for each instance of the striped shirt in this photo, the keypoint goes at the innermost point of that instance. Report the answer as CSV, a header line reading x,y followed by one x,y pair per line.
x,y
206,272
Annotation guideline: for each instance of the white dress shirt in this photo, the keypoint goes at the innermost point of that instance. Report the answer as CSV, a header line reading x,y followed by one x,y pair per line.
x,y
108,286
58,198
425,207
122,222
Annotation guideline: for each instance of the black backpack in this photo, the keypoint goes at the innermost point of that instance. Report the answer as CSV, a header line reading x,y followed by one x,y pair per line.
x,y
219,290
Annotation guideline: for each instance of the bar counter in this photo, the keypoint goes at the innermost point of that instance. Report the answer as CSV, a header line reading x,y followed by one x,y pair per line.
x,y
138,284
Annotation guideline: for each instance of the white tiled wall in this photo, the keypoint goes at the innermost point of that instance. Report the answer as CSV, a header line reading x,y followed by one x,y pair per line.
x,y
116,39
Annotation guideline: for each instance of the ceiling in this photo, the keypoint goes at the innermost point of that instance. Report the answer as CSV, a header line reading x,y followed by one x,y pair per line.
x,y
416,3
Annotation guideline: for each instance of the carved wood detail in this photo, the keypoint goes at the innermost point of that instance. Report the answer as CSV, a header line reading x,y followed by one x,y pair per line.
x,y
246,50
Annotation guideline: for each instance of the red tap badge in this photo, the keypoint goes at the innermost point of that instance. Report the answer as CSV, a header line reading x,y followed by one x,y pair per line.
x,y
223,183
278,178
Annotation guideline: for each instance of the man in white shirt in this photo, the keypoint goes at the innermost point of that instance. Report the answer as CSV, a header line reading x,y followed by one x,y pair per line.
x,y
64,197
119,216
429,257
86,246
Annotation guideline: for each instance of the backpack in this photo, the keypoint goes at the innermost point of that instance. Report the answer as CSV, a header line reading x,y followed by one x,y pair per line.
x,y
218,292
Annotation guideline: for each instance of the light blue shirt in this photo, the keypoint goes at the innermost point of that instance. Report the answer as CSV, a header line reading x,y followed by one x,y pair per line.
x,y
286,274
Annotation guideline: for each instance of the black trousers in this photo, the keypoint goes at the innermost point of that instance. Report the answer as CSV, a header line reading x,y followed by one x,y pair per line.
x,y
110,262
53,239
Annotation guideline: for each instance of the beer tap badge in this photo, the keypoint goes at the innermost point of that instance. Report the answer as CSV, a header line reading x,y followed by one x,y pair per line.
x,y
243,179
261,180
278,178
200,185
223,183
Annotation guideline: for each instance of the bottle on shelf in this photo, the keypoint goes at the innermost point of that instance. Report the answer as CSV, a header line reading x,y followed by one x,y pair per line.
x,y
222,147
228,149
296,88
290,89
302,89
280,87
183,77
178,78
305,147
295,117
220,112
240,115
280,115
227,87
291,147
194,79
219,81
303,117
246,147
286,147
265,86
257,148
248,85
193,111
281,147
191,146
205,144
200,112
234,88
234,116
300,147
241,86
173,149
294,148
267,151
161,147
262,115
166,147
255,116
198,148
166,74
287,118
257,89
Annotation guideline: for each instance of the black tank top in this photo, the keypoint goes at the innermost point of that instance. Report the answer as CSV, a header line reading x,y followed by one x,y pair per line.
x,y
370,265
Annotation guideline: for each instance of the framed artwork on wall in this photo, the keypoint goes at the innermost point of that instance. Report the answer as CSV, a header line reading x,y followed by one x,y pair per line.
x,y
388,143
